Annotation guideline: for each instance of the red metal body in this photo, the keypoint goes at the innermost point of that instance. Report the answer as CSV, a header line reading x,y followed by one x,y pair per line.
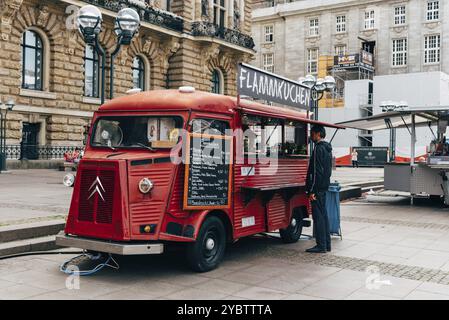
x,y
125,210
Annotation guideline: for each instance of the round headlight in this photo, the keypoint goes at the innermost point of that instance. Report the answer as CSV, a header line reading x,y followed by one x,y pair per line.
x,y
145,185
69,180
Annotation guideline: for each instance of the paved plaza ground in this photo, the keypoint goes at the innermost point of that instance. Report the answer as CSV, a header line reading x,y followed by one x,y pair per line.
x,y
30,195
390,250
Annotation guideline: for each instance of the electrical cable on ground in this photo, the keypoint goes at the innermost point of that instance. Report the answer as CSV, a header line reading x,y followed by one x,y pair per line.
x,y
69,267
38,253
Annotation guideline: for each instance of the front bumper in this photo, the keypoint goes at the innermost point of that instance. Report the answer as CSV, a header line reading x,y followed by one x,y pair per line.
x,y
119,248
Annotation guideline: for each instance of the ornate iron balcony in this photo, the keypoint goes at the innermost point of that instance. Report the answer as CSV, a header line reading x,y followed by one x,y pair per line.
x,y
209,29
147,14
36,152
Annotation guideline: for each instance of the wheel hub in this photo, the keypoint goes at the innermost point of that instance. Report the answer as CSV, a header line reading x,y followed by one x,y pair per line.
x,y
210,244
294,222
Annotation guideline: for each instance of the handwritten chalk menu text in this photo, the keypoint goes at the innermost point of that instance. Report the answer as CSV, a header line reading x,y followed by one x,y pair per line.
x,y
263,85
208,172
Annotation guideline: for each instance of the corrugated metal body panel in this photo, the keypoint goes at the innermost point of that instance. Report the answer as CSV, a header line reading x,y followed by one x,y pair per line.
x,y
149,209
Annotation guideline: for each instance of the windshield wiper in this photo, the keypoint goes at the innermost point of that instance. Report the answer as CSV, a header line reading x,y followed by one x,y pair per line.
x,y
105,146
145,146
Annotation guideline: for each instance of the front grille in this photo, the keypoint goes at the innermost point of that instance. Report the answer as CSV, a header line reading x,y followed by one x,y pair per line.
x,y
96,204
104,208
86,206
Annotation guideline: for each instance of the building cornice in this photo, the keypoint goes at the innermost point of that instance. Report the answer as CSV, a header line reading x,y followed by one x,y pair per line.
x,y
52,111
113,14
307,8
178,34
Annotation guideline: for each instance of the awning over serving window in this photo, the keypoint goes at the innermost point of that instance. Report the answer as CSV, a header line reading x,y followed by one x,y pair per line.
x,y
258,109
399,119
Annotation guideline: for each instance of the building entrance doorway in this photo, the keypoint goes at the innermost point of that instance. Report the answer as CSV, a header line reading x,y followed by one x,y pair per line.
x,y
29,144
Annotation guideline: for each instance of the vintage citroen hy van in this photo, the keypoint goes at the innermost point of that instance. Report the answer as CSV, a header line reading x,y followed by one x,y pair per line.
x,y
142,183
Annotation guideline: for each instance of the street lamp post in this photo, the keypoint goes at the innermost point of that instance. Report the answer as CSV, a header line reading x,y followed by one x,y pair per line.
x,y
127,24
318,87
4,109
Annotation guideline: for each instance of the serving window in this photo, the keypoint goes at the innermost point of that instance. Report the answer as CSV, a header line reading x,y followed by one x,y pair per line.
x,y
295,138
267,137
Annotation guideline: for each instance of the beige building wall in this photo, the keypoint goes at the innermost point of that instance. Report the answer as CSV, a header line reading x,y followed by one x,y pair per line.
x,y
173,57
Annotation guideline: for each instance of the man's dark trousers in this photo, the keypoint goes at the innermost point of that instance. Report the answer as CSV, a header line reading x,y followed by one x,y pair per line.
x,y
321,221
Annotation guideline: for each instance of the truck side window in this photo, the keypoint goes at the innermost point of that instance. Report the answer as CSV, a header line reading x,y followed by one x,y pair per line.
x,y
252,130
210,126
295,138
262,136
272,137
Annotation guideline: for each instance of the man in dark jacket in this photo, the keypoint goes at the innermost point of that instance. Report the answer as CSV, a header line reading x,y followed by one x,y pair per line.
x,y
318,181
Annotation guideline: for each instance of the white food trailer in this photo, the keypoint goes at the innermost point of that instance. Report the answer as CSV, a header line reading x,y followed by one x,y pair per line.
x,y
427,177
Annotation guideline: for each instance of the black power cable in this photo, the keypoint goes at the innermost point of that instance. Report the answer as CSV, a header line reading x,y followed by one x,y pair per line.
x,y
38,253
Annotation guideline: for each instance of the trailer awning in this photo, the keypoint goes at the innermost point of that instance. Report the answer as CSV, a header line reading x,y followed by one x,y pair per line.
x,y
257,109
399,119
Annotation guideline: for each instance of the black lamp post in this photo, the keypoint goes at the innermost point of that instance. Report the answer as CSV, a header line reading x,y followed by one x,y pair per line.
x,y
318,87
127,24
4,109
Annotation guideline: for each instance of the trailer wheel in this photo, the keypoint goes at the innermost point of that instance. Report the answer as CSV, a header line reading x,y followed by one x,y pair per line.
x,y
293,232
207,252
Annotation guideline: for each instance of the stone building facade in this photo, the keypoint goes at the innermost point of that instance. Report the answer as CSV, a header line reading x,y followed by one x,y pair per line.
x,y
295,38
46,68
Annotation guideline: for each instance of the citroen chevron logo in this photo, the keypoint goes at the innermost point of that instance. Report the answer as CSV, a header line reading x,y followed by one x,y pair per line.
x,y
97,188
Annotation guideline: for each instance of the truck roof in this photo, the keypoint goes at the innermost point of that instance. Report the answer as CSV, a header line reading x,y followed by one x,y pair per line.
x,y
175,100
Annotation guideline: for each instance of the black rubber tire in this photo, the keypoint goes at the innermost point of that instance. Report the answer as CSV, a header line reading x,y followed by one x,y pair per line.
x,y
199,257
293,232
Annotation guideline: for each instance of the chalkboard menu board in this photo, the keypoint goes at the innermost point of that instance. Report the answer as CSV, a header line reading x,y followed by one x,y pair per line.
x,y
208,175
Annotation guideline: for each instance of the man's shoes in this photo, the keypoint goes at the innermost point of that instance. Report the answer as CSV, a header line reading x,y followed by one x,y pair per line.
x,y
316,250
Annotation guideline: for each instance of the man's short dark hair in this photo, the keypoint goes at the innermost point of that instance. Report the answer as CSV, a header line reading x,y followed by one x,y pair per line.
x,y
317,128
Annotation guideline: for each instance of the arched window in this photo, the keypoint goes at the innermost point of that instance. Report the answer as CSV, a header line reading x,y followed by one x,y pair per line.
x,y
217,82
32,61
91,73
139,73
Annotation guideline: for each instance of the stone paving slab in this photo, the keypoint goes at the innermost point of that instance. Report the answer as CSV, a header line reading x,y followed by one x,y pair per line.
x,y
347,176
389,250
33,195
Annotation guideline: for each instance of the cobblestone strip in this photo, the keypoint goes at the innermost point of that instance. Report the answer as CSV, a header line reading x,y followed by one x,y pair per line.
x,y
421,225
357,264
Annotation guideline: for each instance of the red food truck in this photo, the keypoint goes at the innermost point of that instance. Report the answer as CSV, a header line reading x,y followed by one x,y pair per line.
x,y
140,186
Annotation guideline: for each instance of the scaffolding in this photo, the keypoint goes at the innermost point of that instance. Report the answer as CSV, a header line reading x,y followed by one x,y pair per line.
x,y
358,66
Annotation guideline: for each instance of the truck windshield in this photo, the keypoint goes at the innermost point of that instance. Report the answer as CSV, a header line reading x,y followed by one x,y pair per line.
x,y
137,132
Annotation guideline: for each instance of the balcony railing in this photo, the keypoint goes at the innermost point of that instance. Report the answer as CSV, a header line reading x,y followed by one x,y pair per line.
x,y
35,152
147,14
170,21
208,29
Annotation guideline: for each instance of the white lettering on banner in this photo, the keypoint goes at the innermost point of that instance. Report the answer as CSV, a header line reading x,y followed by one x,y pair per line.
x,y
257,84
